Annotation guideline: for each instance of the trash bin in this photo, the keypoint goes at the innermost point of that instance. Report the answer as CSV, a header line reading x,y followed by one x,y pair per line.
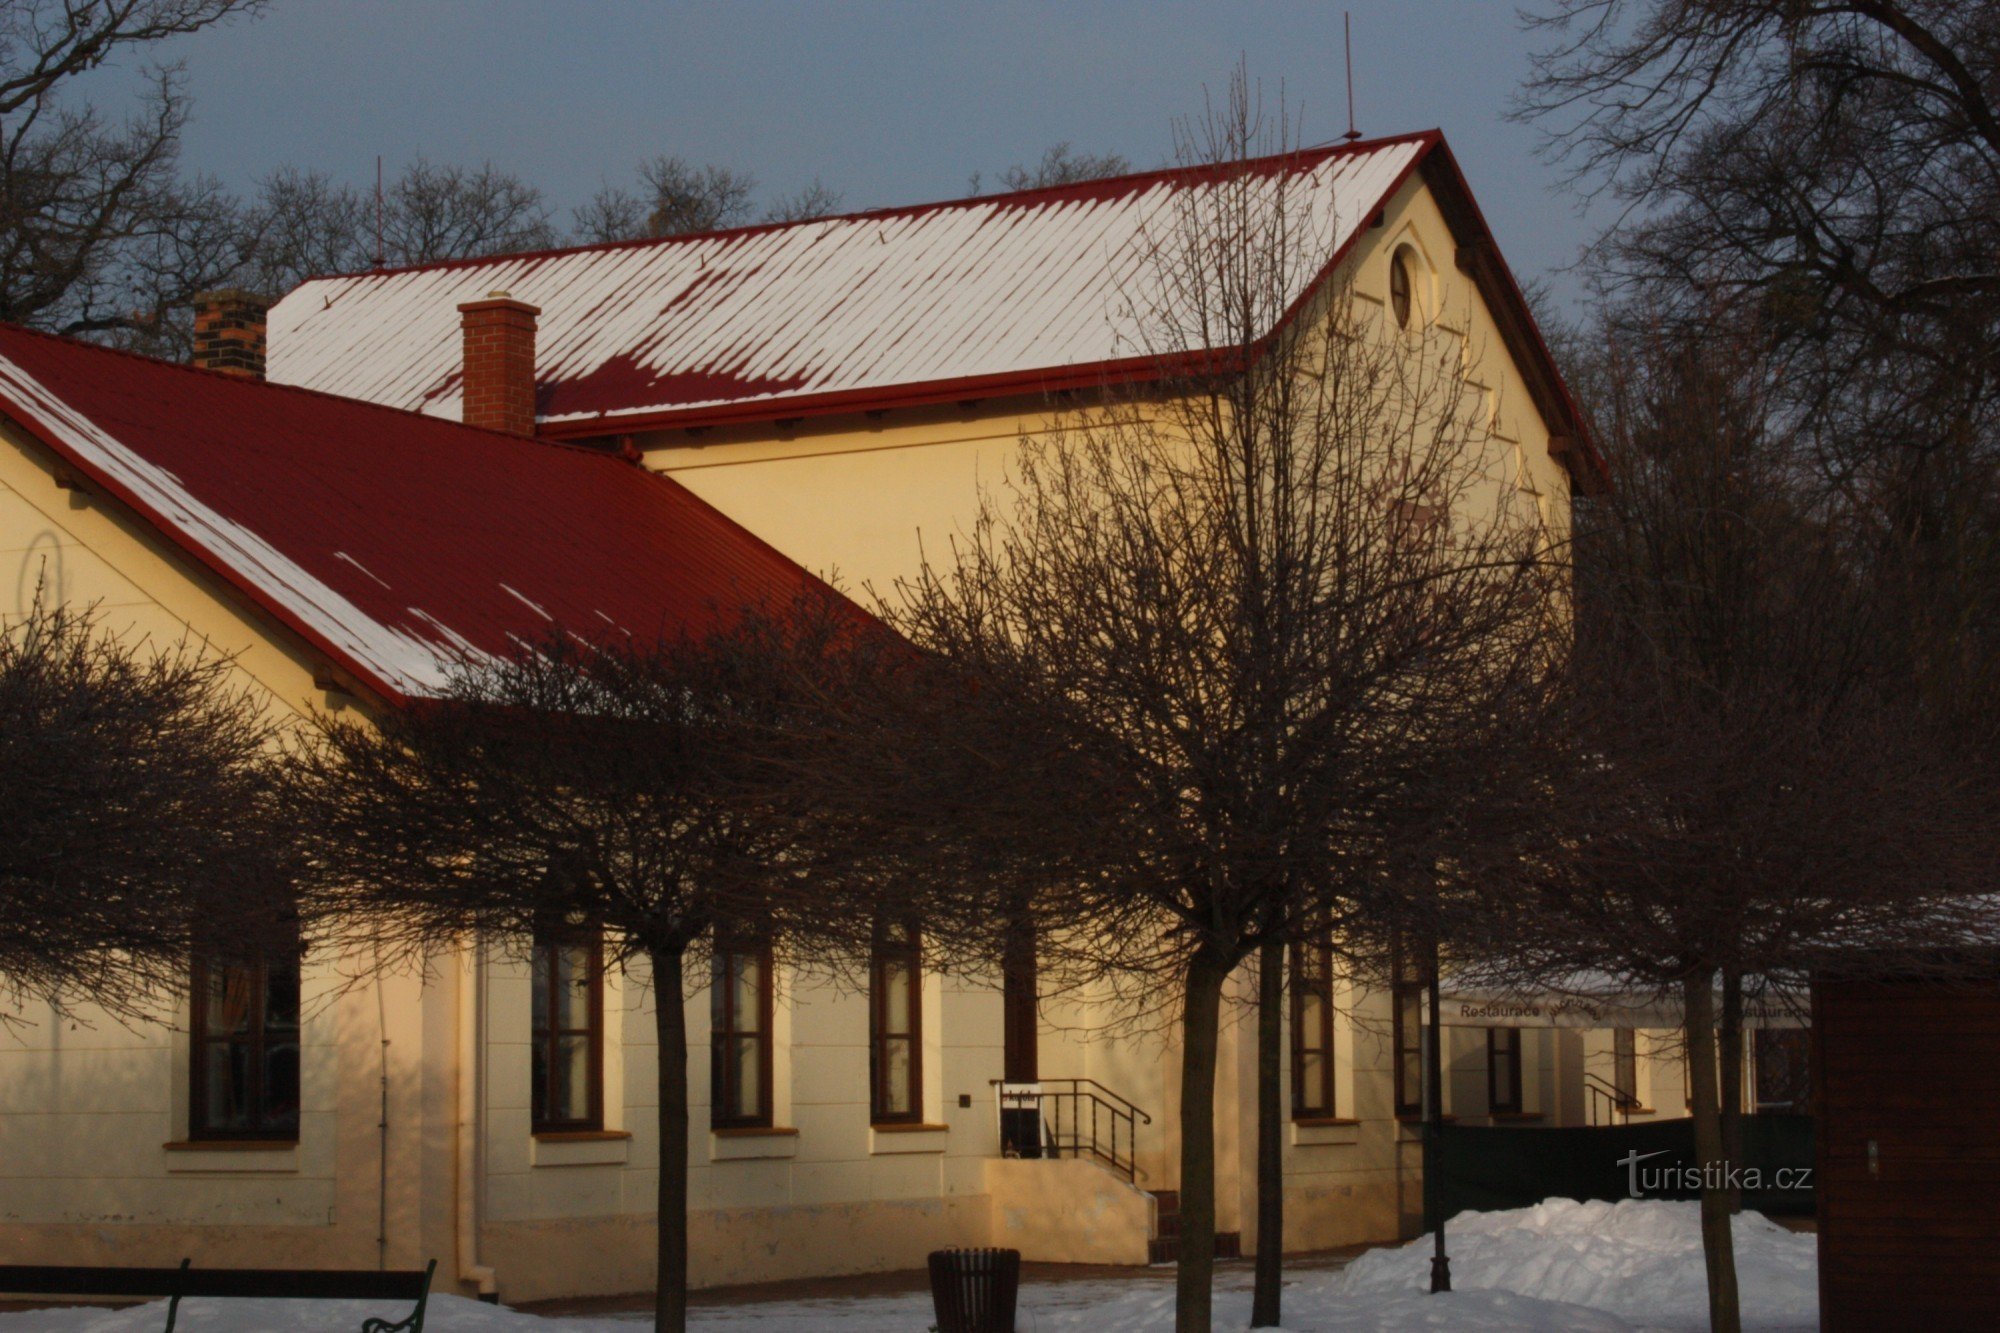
x,y
974,1290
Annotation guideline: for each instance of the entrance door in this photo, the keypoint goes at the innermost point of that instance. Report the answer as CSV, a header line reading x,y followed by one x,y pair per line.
x,y
1907,1074
1022,1062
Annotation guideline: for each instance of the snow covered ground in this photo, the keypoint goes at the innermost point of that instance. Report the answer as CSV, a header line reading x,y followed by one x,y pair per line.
x,y
1560,1267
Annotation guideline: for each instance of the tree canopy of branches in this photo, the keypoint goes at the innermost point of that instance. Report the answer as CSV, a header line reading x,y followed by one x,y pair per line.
x,y
1744,781
677,198
304,223
1833,170
1259,606
1060,164
635,787
138,820
99,234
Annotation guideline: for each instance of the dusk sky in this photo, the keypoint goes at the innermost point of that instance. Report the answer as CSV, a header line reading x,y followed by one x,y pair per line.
x,y
890,103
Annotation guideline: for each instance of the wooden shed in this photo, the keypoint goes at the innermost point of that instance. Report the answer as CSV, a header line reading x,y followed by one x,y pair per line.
x,y
1907,1092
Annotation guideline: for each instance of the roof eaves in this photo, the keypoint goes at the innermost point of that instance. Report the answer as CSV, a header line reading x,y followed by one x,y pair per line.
x,y
238,588
1132,181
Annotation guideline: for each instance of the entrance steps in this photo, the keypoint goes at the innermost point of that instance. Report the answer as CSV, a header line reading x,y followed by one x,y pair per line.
x,y
1165,1246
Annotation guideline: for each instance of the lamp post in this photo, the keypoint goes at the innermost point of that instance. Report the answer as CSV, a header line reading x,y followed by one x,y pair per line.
x,y
1433,1129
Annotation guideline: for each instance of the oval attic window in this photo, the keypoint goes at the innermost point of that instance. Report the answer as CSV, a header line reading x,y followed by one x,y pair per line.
x,y
1399,288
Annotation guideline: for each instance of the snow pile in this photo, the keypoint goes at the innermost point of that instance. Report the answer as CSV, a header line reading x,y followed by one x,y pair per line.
x,y
1638,1258
1316,1306
1559,1267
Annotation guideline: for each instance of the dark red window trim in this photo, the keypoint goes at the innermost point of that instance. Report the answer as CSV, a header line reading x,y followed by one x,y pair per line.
x,y
1408,983
728,1027
282,1127
548,1040
895,945
1503,1052
1312,978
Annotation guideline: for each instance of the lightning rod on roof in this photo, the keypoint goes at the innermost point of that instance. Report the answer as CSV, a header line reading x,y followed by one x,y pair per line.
x,y
1347,40
378,195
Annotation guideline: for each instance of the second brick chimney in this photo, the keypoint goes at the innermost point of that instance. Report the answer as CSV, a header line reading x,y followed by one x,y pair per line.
x,y
499,371
229,332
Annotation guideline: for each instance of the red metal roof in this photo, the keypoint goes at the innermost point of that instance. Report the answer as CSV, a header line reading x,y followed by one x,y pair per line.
x,y
387,539
1024,292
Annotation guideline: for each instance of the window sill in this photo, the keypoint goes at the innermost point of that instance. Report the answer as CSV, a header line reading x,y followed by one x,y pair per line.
x,y
1516,1117
1325,1132
581,1147
752,1143
908,1137
232,1156
1316,1121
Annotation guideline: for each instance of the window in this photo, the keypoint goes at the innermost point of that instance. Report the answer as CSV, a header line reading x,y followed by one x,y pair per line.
x,y
1399,287
1625,1065
568,1029
1503,1071
1784,1081
895,1046
1312,1031
1407,996
740,1027
244,1080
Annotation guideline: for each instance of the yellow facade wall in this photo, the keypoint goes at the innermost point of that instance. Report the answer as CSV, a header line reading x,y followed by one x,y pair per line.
x,y
86,1107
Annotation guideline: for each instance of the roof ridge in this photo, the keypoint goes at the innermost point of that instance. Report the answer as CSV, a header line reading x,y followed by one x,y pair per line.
x,y
1129,179
259,382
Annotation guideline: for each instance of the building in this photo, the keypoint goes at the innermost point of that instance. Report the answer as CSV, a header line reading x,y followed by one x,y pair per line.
x,y
650,425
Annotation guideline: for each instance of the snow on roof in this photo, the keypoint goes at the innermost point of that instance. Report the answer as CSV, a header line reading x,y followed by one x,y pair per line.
x,y
391,541
1010,290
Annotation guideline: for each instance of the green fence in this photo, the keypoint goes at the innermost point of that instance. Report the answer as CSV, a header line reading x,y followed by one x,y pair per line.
x,y
1487,1168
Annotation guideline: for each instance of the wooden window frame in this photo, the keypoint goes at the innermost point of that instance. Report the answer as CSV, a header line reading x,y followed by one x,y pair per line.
x,y
540,1092
1625,1064
725,1031
1406,990
1315,981
1496,1055
908,950
199,1130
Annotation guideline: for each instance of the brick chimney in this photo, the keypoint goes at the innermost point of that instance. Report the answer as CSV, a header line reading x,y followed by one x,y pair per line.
x,y
499,381
229,332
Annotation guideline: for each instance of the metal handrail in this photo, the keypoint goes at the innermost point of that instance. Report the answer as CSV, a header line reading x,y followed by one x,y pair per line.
x,y
1616,1100
1110,1118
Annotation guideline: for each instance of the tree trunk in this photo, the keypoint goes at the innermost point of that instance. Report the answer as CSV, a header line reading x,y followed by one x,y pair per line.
x,y
1194,1277
1729,1039
670,1009
1266,1300
1717,1248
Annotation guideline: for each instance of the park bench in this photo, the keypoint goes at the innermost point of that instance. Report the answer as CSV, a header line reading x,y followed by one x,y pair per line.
x,y
326,1284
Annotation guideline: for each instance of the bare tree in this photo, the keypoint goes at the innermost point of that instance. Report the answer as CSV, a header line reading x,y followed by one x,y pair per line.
x,y
304,223
1060,165
98,234
1833,170
816,200
1743,780
675,198
139,813
1256,607
639,787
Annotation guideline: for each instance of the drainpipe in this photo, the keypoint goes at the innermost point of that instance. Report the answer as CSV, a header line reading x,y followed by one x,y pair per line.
x,y
471,1101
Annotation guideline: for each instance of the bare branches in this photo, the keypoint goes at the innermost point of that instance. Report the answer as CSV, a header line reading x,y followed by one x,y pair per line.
x,y
1259,619
1060,164
624,784
97,232
139,816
